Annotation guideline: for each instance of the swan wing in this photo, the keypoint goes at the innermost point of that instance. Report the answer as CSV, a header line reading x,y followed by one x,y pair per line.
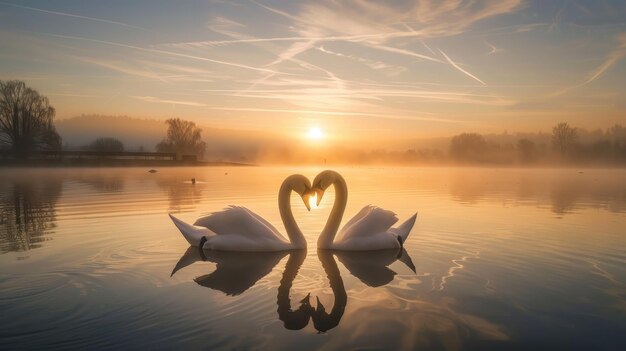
x,y
405,228
192,233
364,211
239,220
375,220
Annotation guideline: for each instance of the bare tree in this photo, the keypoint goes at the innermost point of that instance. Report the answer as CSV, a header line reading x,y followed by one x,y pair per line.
x,y
564,138
183,138
26,120
107,144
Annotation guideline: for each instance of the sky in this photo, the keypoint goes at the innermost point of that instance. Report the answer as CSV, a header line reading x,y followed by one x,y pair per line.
x,y
351,68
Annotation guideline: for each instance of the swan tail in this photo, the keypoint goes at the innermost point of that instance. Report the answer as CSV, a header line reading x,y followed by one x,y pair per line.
x,y
192,233
405,228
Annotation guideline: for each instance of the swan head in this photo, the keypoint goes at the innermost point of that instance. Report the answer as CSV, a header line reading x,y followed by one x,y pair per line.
x,y
322,181
302,186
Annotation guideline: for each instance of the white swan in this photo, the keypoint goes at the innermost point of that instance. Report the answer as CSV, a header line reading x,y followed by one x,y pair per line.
x,y
239,229
370,229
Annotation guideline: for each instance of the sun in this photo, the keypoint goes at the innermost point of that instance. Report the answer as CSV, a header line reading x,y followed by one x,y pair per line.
x,y
315,133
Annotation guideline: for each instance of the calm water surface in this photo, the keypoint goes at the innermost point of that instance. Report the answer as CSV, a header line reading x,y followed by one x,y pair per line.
x,y
498,259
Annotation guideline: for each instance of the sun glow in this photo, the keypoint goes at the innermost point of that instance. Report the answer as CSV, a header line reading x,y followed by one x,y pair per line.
x,y
315,133
313,201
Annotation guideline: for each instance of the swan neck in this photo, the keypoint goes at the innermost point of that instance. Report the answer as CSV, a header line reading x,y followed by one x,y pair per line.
x,y
284,205
329,232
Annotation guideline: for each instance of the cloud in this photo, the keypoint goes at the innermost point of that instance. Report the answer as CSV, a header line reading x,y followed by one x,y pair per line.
x,y
615,56
376,22
227,27
294,50
58,13
493,48
461,69
376,65
334,113
371,24
362,18
168,53
165,101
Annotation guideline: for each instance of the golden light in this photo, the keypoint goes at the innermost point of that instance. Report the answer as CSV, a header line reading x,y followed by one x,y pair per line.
x,y
313,200
315,133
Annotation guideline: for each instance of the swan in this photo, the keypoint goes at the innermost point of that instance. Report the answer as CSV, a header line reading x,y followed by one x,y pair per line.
x,y
239,229
370,229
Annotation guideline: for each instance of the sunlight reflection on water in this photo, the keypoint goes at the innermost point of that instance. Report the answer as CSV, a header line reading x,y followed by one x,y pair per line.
x,y
510,258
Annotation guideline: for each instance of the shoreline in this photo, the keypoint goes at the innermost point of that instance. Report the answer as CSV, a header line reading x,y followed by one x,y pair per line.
x,y
120,164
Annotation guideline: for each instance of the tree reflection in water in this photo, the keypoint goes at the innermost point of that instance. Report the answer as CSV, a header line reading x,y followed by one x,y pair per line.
x,y
181,193
27,213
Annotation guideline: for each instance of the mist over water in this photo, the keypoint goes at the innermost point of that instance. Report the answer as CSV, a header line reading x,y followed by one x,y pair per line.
x,y
503,258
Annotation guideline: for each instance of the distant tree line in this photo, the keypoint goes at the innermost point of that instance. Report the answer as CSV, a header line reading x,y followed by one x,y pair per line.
x,y
183,138
106,144
565,147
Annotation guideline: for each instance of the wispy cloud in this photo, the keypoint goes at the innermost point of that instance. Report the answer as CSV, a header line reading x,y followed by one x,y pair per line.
x,y
404,52
166,101
616,55
294,50
170,53
461,69
58,13
612,58
335,113
364,58
377,65
493,48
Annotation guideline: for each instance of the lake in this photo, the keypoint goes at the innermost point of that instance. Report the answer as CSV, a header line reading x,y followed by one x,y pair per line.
x,y
510,259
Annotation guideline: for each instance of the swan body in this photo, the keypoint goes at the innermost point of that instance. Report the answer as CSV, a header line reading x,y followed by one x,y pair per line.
x,y
370,229
238,229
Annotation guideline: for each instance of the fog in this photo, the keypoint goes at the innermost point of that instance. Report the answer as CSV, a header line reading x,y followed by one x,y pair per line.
x,y
605,146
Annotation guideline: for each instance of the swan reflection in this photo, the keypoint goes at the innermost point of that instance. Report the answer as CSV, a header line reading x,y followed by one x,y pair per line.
x,y
322,320
298,319
370,267
236,272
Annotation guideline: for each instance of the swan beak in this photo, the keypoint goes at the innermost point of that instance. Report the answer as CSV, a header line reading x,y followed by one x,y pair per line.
x,y
305,199
320,193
